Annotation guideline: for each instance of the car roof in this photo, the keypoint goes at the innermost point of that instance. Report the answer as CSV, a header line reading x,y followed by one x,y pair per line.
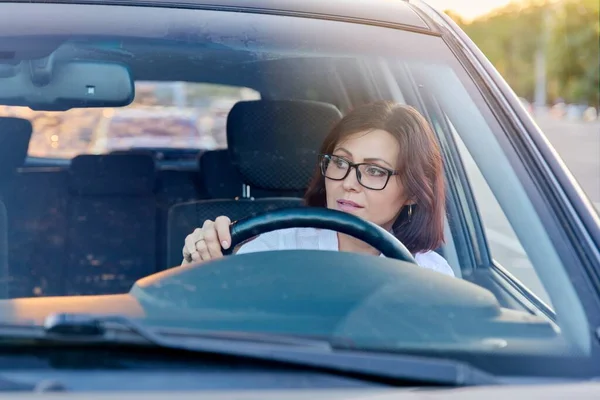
x,y
380,12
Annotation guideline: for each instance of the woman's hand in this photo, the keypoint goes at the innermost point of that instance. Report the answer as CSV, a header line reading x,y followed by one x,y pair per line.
x,y
206,243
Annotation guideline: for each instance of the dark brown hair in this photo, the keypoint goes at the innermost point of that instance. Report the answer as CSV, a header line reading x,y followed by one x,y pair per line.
x,y
419,165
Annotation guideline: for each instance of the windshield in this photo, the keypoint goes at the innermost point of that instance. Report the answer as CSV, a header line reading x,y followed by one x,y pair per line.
x,y
102,197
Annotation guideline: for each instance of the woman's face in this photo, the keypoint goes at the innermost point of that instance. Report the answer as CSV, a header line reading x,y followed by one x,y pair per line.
x,y
378,206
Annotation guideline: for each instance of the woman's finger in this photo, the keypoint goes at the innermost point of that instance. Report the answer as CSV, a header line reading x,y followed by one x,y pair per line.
x,y
202,251
222,225
211,240
190,244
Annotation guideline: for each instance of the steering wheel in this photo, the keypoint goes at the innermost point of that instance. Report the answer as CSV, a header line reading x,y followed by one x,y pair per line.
x,y
323,218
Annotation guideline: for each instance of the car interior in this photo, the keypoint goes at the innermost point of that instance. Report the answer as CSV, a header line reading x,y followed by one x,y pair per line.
x,y
97,223
66,231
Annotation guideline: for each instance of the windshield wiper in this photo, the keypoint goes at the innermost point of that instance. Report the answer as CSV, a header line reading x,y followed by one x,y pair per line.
x,y
292,351
84,326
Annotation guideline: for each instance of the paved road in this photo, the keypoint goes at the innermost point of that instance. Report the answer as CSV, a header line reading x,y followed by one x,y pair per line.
x,y
578,144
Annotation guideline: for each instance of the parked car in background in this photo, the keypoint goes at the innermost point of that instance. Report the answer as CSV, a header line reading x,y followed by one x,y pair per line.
x,y
149,128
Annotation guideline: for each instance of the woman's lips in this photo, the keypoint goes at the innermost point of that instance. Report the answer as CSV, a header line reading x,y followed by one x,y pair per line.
x,y
348,205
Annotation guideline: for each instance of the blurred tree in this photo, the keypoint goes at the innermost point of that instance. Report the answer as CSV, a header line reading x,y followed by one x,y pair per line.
x,y
511,36
574,53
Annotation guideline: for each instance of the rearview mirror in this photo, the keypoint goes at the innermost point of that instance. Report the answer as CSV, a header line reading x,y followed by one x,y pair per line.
x,y
45,85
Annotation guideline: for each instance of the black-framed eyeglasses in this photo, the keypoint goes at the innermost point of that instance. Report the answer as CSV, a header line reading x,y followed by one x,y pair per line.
x,y
371,176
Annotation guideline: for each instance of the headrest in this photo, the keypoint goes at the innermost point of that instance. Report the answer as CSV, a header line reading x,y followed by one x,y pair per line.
x,y
112,174
15,134
274,144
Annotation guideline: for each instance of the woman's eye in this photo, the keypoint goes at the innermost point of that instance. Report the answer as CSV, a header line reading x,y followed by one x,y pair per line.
x,y
376,172
340,163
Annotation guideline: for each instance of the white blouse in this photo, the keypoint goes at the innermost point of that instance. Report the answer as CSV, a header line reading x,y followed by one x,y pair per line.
x,y
322,239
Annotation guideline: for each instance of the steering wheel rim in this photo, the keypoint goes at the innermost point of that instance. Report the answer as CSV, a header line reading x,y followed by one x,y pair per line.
x,y
322,218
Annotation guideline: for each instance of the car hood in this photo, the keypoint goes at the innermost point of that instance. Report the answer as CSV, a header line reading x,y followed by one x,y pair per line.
x,y
248,296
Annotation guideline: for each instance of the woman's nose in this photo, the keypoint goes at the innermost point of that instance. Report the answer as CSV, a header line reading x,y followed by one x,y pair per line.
x,y
351,181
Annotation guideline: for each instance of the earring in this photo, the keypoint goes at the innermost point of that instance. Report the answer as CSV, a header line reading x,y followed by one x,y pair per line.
x,y
409,211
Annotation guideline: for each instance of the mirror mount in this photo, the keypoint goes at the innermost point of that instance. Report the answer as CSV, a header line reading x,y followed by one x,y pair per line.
x,y
41,70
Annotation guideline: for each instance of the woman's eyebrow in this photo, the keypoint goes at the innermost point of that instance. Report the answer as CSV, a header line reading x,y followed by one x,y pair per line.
x,y
342,149
379,159
366,159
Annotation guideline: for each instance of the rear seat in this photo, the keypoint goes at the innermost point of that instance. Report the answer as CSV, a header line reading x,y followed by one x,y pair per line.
x,y
101,225
274,146
37,214
112,223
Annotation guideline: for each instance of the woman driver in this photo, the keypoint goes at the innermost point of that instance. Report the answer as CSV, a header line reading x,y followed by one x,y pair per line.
x,y
382,163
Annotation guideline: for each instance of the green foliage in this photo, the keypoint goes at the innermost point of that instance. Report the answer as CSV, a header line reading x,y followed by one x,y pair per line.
x,y
574,60
566,31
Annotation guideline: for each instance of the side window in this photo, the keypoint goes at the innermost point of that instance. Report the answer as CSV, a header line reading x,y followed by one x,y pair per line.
x,y
504,245
177,115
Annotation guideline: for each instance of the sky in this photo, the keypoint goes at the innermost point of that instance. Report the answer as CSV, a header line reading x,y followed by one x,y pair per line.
x,y
468,9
